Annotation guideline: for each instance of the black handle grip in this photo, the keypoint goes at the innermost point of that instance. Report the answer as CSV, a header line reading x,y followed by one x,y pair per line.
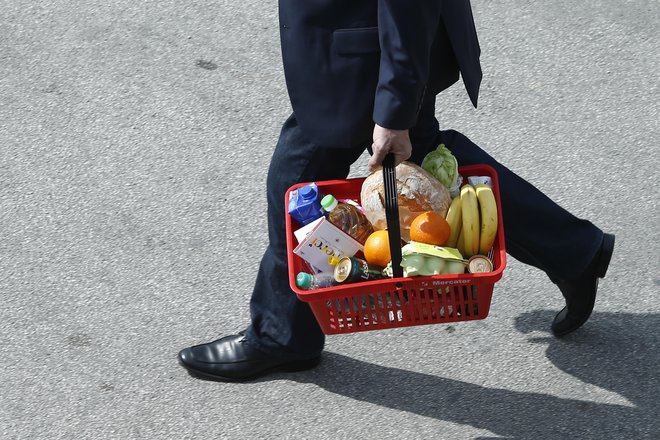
x,y
392,214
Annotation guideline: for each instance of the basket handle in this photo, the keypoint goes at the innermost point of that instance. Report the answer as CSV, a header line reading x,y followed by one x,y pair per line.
x,y
392,214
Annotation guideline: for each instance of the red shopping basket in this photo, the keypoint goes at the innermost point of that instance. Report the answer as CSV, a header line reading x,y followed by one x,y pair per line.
x,y
398,302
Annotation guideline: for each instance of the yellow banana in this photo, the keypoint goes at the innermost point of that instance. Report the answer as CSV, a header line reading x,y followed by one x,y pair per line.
x,y
471,223
460,243
455,219
488,211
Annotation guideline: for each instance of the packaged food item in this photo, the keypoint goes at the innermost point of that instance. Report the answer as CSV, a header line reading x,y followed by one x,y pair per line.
x,y
480,180
353,270
479,264
352,202
310,281
305,204
303,232
421,259
323,241
348,218
333,260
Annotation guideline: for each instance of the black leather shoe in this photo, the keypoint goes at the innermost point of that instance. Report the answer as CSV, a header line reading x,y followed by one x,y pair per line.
x,y
234,359
580,293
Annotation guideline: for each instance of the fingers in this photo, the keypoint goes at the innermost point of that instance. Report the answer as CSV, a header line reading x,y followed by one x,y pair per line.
x,y
389,141
400,157
379,153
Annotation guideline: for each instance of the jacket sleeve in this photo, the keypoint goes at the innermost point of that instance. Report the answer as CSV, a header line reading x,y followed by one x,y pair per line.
x,y
406,29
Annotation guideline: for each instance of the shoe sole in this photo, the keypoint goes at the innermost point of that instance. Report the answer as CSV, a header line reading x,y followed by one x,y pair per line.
x,y
290,367
573,328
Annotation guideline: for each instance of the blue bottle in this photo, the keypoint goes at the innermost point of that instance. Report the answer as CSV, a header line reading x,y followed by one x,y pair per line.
x,y
305,204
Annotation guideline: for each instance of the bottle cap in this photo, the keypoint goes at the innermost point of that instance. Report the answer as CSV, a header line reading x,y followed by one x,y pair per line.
x,y
307,192
304,280
329,202
332,260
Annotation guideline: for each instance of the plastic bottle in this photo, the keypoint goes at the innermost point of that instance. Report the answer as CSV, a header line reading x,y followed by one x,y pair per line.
x,y
304,204
308,281
348,218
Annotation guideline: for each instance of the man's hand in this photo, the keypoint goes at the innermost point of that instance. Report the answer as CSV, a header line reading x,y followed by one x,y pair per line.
x,y
389,141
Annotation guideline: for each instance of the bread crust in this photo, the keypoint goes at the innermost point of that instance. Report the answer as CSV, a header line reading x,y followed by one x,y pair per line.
x,y
417,192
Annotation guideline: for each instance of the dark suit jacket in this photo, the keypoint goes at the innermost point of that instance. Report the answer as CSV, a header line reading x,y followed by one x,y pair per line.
x,y
350,63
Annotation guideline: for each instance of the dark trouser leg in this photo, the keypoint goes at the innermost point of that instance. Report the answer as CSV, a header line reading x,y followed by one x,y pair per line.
x,y
538,232
279,320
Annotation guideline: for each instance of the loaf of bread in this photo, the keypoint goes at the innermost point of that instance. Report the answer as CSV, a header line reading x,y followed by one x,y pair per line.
x,y
418,192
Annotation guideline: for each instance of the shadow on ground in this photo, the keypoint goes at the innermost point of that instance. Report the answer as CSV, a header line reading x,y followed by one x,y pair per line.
x,y
617,352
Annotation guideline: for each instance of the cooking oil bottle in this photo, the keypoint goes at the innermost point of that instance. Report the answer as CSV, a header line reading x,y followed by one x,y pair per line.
x,y
348,218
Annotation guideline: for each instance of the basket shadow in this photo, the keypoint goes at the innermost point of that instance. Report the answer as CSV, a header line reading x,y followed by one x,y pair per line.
x,y
522,415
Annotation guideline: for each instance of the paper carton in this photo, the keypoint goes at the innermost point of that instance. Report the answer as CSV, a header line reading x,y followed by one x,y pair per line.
x,y
324,241
306,230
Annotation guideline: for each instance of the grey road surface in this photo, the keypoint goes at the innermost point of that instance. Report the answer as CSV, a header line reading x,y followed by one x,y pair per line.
x,y
134,144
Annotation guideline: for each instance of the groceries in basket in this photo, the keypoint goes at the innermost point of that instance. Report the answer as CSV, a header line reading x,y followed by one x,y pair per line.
x,y
429,214
477,209
348,218
305,204
323,241
479,264
353,270
377,249
444,167
310,281
465,226
440,284
421,259
417,192
339,232
431,228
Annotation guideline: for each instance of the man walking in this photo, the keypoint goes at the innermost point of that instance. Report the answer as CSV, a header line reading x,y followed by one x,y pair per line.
x,y
365,74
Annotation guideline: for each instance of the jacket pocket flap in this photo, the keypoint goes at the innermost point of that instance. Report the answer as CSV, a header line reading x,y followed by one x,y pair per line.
x,y
355,41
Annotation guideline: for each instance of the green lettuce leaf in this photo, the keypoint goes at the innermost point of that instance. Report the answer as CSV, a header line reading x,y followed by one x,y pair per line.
x,y
442,165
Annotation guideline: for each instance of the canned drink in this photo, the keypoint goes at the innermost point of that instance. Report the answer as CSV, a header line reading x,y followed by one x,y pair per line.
x,y
479,264
352,270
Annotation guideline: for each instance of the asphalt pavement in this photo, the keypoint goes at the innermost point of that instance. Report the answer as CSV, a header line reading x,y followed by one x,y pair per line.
x,y
134,143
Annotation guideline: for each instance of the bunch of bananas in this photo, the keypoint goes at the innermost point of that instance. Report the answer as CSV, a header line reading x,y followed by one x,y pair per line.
x,y
472,217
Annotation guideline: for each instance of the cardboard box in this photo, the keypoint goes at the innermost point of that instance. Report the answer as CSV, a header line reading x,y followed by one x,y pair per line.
x,y
323,241
306,230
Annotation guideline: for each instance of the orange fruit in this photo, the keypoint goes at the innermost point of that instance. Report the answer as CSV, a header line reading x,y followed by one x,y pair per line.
x,y
377,249
430,228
